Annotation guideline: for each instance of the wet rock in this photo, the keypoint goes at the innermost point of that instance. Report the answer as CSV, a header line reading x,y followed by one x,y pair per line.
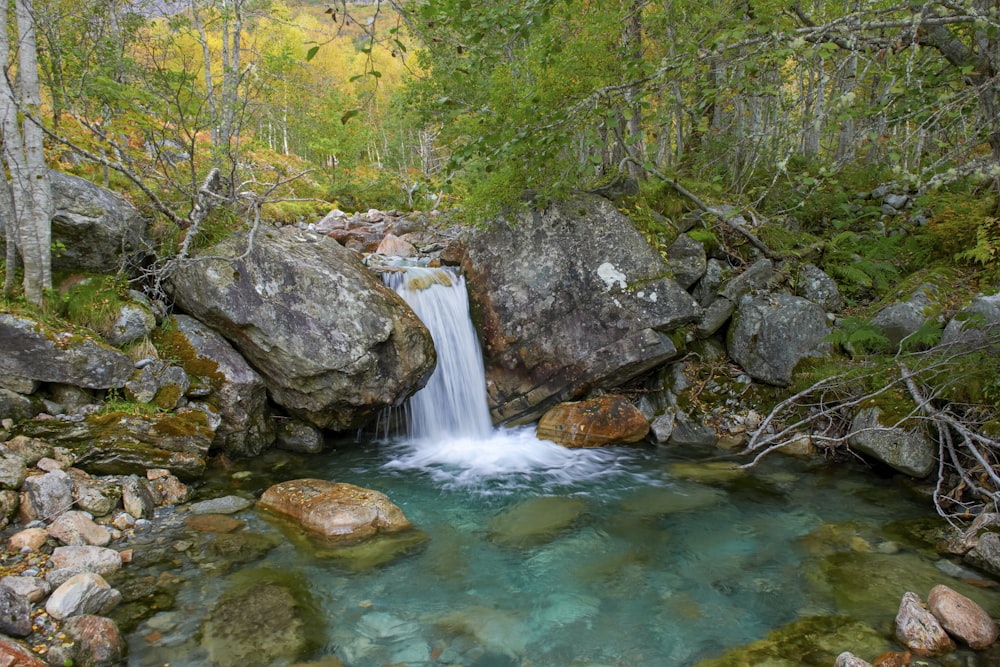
x,y
662,426
97,641
254,626
165,488
919,630
772,333
376,551
15,613
962,617
986,553
687,260
569,298
84,593
35,351
332,510
815,285
662,501
593,423
34,589
536,521
240,548
692,432
237,389
48,495
274,302
297,436
903,447
222,505
214,523
78,528
500,632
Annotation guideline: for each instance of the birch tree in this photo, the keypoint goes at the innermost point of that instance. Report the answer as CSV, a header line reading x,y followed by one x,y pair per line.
x,y
29,226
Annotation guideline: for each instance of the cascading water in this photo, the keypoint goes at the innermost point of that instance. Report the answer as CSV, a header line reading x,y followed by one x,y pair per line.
x,y
451,435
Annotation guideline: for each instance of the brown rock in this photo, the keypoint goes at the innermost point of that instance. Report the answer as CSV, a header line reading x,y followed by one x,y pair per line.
x,y
919,630
33,538
394,246
77,528
962,617
599,421
214,523
848,659
13,654
334,510
96,639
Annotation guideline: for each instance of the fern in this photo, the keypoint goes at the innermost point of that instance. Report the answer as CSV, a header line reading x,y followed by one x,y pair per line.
x,y
856,336
927,336
987,248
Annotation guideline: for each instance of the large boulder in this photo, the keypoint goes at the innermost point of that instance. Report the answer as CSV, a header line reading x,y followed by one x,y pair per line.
x,y
962,617
333,344
593,423
334,511
901,446
976,325
33,351
568,298
897,321
772,333
236,388
97,230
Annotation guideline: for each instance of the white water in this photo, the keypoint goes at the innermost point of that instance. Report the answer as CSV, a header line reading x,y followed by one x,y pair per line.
x,y
450,433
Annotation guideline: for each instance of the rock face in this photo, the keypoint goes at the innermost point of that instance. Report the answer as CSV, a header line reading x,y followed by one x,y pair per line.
x,y
333,344
99,231
33,351
236,388
593,423
567,299
962,617
904,449
773,333
334,511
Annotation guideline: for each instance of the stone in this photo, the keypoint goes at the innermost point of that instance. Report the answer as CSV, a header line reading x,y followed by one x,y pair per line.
x,y
256,625
692,432
985,554
99,231
335,511
593,423
771,334
904,447
135,321
165,488
10,503
13,654
214,523
34,350
97,641
34,589
757,277
536,521
84,593
159,383
567,299
31,450
817,286
716,314
297,436
96,560
975,325
962,617
848,659
49,495
662,426
29,538
706,290
221,505
237,390
291,290
15,613
919,630
78,528
137,497
16,407
96,499
687,260
393,246
13,471
899,320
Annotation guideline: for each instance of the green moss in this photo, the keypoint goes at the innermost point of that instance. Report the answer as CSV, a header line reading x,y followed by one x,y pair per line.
x,y
172,344
187,424
166,397
92,301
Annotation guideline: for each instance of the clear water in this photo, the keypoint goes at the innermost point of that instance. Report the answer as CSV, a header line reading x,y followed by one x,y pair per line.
x,y
654,563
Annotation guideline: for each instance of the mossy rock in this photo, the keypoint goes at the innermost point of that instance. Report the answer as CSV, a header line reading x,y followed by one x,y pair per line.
x,y
536,521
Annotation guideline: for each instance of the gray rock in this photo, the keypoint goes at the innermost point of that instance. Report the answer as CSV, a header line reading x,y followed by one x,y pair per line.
x,y
896,201
97,499
12,470
158,382
715,316
687,260
73,399
903,448
814,284
16,407
75,528
84,593
333,344
34,589
567,299
33,350
137,497
985,555
134,322
223,505
49,495
97,560
237,390
899,320
15,613
18,384
758,276
976,325
99,231
771,334
691,432
297,436
706,290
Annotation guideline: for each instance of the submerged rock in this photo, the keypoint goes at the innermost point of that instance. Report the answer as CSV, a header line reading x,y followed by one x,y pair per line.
x,y
536,521
334,511
598,421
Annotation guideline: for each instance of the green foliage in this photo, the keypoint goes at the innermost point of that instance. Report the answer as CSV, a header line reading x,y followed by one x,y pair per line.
x,y
927,336
958,222
986,251
291,211
92,301
865,265
857,337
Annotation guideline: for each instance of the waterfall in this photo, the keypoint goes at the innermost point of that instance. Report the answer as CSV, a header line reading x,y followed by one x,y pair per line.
x,y
453,404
